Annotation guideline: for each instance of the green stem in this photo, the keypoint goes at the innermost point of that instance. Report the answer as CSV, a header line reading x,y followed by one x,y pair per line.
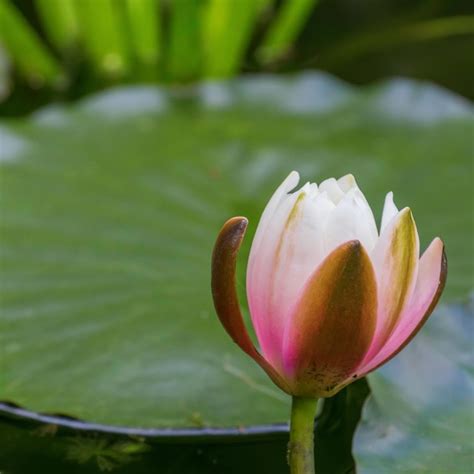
x,y
301,445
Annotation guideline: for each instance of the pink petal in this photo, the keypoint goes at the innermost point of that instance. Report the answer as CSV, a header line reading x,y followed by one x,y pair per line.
x,y
332,324
286,250
429,286
395,258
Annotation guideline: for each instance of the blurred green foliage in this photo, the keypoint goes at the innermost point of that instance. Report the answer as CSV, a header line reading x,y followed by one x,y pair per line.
x,y
177,41
63,49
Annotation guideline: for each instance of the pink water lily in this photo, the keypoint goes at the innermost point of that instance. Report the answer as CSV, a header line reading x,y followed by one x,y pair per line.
x,y
330,297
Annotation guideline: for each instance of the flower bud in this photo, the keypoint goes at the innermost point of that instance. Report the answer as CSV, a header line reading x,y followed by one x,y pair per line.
x,y
330,297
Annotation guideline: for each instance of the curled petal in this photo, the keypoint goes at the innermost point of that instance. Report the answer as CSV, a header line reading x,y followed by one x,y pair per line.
x,y
395,259
333,323
433,269
226,303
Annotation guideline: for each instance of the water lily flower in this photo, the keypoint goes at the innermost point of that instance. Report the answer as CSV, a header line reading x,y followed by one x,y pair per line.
x,y
331,298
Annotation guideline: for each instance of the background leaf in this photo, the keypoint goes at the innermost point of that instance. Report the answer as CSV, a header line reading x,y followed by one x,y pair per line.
x,y
60,21
39,66
227,29
184,55
285,28
144,27
103,35
110,210
419,417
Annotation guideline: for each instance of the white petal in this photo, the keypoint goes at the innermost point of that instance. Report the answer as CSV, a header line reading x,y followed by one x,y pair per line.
x,y
332,188
301,249
368,225
389,211
279,195
283,256
352,219
347,182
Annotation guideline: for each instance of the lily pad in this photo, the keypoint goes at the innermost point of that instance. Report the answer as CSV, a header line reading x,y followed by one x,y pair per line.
x,y
109,210
419,416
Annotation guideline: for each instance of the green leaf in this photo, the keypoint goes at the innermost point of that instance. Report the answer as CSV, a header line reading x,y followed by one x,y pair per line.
x,y
184,51
60,21
419,417
109,213
335,428
103,35
285,28
25,49
227,29
144,25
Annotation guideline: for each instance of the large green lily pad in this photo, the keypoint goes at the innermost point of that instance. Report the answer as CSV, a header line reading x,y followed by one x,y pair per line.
x,y
420,417
109,209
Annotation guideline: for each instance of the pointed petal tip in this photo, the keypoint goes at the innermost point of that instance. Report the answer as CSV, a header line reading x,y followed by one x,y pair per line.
x,y
352,246
239,221
406,211
390,210
293,178
440,246
444,265
294,173
230,236
347,182
407,217
389,198
234,225
438,243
